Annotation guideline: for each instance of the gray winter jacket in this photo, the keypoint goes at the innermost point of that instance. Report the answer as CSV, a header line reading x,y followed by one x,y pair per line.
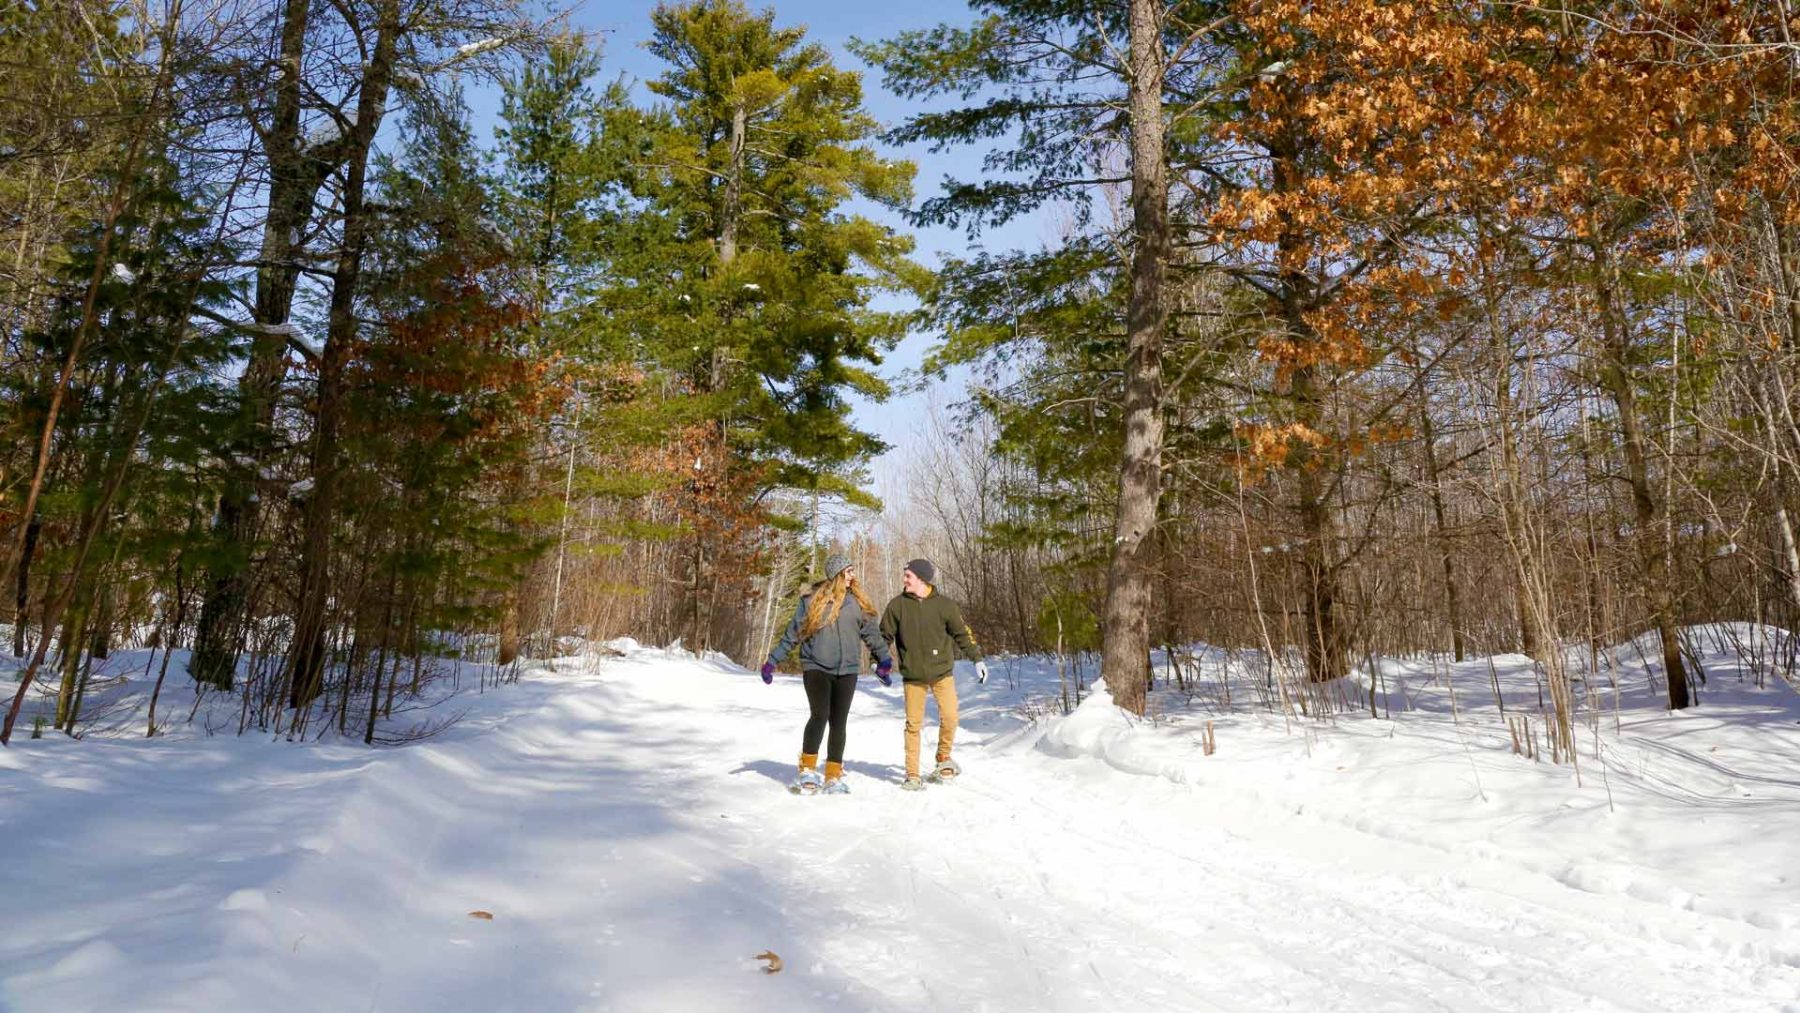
x,y
835,648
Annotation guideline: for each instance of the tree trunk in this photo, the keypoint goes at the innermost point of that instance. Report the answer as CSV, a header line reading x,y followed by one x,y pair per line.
x,y
309,646
1784,527
706,578
697,597
169,647
1446,549
385,645
1327,650
101,632
1787,268
20,619
1512,501
1326,642
508,648
1653,549
1511,479
87,677
1125,630
1785,264
297,170
732,200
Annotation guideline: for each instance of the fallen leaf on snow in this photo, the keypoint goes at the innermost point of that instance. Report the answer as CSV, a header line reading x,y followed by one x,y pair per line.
x,y
774,961
486,916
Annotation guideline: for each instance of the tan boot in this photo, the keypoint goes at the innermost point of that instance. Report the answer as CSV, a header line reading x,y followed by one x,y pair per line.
x,y
808,781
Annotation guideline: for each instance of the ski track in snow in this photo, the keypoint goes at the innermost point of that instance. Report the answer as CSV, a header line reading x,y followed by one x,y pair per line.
x,y
628,829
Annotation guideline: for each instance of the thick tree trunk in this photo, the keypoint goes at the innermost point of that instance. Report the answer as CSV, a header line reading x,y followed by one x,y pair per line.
x,y
297,168
1327,646
309,647
1125,629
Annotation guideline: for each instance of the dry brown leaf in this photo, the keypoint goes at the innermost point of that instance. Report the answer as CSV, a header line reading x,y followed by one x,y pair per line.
x,y
486,916
774,961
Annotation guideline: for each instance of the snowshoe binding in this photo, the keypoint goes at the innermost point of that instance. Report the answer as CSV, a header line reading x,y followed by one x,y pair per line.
x,y
912,784
835,786
947,771
808,783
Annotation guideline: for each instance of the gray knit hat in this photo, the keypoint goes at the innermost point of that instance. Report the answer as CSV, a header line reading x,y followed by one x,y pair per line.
x,y
835,564
923,568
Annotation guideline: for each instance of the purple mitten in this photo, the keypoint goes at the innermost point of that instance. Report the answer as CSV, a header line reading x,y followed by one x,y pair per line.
x,y
881,672
768,672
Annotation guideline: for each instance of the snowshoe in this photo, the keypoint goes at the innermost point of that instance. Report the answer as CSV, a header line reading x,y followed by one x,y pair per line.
x,y
912,784
948,770
835,786
808,783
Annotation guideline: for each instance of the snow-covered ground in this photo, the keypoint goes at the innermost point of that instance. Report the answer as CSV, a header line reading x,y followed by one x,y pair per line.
x,y
624,822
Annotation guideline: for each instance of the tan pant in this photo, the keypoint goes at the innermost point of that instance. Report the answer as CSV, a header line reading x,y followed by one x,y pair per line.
x,y
945,691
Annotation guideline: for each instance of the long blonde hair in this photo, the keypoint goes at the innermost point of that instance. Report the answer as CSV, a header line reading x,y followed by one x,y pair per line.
x,y
828,601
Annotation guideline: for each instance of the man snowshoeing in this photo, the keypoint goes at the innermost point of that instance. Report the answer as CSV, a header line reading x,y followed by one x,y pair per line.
x,y
927,630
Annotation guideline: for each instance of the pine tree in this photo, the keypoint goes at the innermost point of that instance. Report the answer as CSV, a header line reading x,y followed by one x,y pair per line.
x,y
744,281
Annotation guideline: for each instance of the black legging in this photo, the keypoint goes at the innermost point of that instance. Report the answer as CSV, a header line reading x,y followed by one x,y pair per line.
x,y
830,698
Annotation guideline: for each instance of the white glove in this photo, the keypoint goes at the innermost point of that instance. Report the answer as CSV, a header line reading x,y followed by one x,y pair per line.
x,y
981,672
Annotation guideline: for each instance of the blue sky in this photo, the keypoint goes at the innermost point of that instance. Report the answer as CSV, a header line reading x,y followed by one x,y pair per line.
x,y
624,26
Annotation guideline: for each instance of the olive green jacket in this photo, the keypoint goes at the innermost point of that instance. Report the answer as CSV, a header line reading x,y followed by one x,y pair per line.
x,y
927,633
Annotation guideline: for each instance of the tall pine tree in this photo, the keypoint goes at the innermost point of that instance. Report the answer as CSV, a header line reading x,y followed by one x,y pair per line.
x,y
746,281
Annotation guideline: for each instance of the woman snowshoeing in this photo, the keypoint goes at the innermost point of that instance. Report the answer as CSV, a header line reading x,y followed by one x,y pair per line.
x,y
835,619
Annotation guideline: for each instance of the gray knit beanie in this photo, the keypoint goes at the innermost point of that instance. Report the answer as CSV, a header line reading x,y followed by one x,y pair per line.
x,y
925,571
835,564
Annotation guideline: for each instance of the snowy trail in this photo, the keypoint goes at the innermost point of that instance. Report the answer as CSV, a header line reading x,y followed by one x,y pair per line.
x,y
628,829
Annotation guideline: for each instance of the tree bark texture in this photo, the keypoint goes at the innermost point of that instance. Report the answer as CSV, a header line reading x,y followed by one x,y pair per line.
x,y
1125,633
